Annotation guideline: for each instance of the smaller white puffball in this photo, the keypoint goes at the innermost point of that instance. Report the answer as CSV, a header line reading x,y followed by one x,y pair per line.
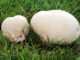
x,y
56,26
15,28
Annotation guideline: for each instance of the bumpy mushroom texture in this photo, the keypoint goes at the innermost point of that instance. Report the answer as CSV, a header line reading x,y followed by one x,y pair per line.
x,y
56,26
15,28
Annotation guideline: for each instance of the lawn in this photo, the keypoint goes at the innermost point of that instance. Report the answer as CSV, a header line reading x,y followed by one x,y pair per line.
x,y
33,49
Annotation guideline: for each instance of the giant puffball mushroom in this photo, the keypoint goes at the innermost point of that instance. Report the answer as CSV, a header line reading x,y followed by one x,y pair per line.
x,y
56,26
15,28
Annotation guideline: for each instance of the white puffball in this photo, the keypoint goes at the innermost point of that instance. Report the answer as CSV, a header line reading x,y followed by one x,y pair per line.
x,y
15,28
56,26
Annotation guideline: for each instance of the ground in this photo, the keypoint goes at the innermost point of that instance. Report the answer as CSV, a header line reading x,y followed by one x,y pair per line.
x,y
32,48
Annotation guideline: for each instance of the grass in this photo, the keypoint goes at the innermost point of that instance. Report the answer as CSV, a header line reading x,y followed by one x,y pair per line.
x,y
32,49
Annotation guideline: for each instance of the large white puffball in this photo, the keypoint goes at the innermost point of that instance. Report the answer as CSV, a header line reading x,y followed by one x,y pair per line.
x,y
15,28
56,26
